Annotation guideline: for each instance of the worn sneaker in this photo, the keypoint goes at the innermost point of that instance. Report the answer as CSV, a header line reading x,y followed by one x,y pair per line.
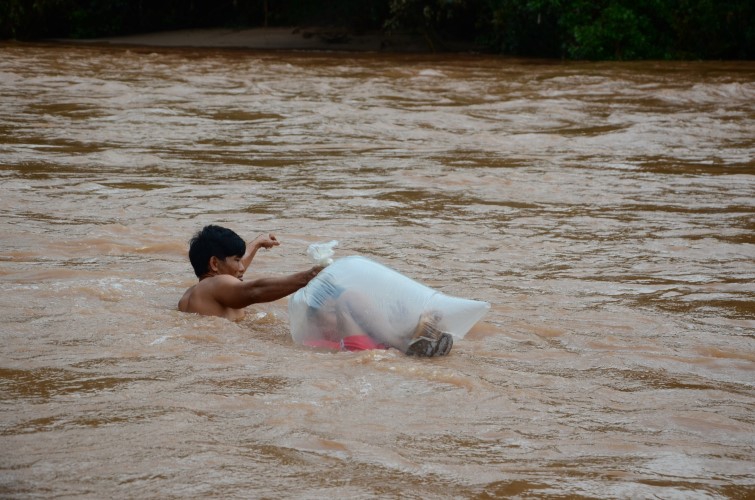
x,y
427,339
429,347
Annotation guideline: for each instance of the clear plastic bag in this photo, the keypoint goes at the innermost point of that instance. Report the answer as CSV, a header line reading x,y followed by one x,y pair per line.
x,y
356,298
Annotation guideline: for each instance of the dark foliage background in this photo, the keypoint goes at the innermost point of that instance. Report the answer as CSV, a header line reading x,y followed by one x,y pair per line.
x,y
574,29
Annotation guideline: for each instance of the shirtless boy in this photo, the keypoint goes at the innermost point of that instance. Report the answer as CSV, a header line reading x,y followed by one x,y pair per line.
x,y
220,257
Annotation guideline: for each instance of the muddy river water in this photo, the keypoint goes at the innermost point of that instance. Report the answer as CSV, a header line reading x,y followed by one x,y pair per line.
x,y
605,210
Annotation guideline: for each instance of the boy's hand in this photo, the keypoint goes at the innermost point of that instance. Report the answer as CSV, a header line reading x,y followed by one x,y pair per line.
x,y
265,241
314,272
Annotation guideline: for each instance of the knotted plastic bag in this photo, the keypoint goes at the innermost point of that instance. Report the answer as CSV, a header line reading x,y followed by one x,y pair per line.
x,y
355,297
321,254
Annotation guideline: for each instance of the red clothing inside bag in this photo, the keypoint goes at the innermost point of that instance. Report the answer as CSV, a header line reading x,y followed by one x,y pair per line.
x,y
352,343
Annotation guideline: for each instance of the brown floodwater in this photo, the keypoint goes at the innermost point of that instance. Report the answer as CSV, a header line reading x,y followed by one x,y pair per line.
x,y
605,210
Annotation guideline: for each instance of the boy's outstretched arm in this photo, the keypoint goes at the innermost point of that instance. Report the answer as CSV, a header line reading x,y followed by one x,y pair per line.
x,y
231,292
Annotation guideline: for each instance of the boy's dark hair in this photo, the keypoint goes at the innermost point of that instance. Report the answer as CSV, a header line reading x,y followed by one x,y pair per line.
x,y
213,241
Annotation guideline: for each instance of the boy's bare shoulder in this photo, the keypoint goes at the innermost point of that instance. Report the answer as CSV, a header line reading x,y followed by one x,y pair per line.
x,y
183,304
200,299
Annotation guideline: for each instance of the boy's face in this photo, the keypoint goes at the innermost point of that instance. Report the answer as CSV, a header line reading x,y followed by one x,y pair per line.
x,y
231,265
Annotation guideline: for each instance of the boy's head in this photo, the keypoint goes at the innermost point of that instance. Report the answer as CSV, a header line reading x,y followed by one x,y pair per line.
x,y
213,241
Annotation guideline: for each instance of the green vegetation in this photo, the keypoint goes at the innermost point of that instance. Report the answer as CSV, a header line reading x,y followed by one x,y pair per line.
x,y
574,29
625,29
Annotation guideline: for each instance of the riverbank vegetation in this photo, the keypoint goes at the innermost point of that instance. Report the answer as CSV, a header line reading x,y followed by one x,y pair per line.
x,y
572,29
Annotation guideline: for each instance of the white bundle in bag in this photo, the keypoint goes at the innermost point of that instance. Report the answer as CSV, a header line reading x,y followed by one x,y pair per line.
x,y
356,297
